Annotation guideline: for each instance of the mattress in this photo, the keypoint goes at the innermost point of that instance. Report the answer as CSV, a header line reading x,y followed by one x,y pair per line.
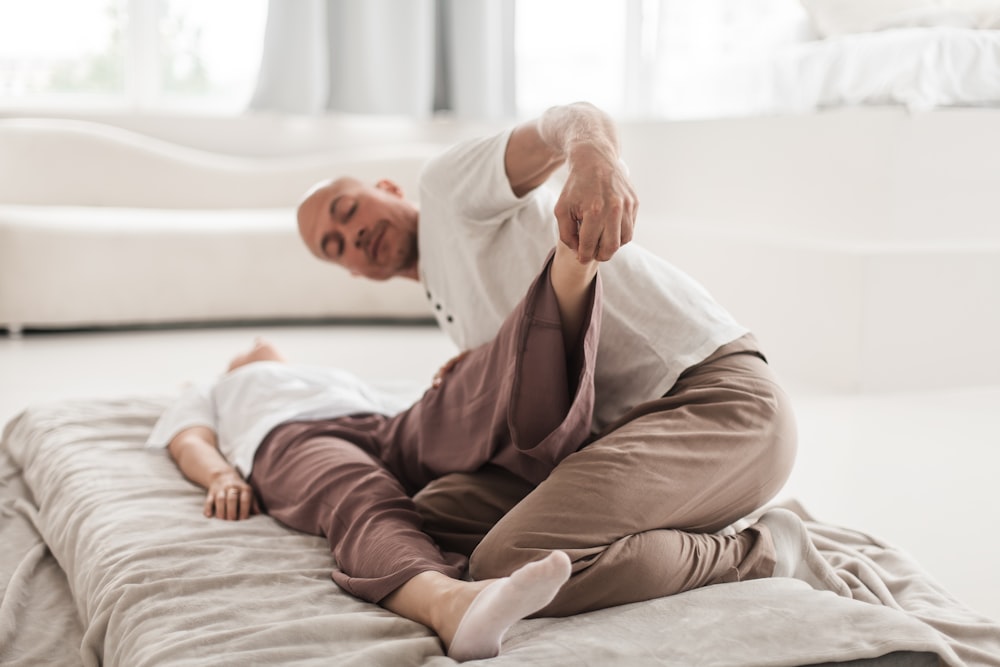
x,y
111,562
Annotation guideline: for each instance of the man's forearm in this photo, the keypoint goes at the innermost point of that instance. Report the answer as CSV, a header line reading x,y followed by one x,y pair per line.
x,y
579,126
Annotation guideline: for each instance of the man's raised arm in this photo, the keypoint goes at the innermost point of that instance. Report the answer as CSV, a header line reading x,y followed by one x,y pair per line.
x,y
597,208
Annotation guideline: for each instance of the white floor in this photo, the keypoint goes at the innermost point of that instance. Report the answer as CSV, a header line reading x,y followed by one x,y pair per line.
x,y
916,469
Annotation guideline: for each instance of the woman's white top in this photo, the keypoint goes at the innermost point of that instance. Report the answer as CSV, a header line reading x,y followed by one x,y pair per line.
x,y
244,405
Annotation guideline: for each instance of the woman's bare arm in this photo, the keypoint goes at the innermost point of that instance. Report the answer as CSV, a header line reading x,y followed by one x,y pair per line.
x,y
571,282
195,451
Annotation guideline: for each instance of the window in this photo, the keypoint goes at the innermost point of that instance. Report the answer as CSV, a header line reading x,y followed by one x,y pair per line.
x,y
130,54
595,50
569,50
644,58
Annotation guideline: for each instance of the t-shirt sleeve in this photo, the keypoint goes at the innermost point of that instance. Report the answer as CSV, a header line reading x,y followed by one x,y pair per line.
x,y
194,407
472,178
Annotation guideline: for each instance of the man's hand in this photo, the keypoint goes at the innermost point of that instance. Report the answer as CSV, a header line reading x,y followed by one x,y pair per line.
x,y
597,208
230,497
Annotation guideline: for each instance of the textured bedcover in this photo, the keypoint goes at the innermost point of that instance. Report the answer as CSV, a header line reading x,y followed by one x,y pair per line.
x,y
133,574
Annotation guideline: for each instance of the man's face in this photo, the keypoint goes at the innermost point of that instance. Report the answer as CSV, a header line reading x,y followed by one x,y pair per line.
x,y
369,230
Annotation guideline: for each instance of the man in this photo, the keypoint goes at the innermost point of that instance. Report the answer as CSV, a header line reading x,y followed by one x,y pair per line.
x,y
690,430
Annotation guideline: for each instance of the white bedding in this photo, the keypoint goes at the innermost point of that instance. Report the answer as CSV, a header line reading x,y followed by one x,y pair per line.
x,y
153,582
918,68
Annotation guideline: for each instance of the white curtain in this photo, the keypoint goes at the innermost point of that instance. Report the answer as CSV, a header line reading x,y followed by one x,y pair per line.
x,y
405,57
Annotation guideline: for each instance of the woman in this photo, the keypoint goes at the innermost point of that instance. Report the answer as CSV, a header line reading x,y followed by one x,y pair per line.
x,y
323,453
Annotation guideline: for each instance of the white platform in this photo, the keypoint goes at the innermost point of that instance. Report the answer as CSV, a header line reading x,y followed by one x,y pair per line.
x,y
863,246
870,316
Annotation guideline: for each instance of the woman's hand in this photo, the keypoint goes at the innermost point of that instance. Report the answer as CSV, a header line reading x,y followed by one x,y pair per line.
x,y
230,497
447,368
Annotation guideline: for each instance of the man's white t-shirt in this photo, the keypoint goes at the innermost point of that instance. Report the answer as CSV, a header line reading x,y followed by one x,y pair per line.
x,y
245,404
480,246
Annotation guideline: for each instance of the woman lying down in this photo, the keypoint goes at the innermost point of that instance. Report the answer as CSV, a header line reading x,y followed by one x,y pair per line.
x,y
325,454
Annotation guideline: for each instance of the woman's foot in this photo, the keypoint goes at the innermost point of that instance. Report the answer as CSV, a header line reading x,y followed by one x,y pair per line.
x,y
506,601
262,350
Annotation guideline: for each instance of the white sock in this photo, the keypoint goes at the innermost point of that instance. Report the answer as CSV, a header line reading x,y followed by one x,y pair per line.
x,y
795,555
506,601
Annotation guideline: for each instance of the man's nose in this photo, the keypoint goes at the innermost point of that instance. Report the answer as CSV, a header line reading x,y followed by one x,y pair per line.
x,y
359,238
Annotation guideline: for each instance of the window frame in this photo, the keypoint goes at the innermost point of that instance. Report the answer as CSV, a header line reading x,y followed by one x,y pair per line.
x,y
142,86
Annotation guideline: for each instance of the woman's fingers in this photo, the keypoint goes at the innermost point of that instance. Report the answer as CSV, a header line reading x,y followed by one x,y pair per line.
x,y
232,503
246,500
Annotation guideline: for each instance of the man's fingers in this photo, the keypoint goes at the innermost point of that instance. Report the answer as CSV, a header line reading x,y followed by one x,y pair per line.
x,y
628,221
591,233
209,508
610,240
627,230
569,225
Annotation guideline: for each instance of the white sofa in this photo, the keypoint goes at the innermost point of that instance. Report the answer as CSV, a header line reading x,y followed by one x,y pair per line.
x,y
101,226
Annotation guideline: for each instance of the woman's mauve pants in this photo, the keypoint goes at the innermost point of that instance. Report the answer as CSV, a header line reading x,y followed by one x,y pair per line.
x,y
519,403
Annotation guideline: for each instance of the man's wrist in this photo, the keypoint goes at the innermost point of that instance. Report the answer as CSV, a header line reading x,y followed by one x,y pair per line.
x,y
588,151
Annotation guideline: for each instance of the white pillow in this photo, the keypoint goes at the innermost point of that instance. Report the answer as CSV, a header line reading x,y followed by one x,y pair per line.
x,y
972,14
839,17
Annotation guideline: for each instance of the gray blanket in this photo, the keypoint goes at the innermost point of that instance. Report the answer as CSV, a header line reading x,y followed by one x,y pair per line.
x,y
107,559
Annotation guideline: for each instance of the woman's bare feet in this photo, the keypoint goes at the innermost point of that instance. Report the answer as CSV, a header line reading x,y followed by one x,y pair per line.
x,y
504,602
262,350
471,617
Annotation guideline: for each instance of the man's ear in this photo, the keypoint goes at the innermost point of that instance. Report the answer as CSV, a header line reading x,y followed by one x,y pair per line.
x,y
391,187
